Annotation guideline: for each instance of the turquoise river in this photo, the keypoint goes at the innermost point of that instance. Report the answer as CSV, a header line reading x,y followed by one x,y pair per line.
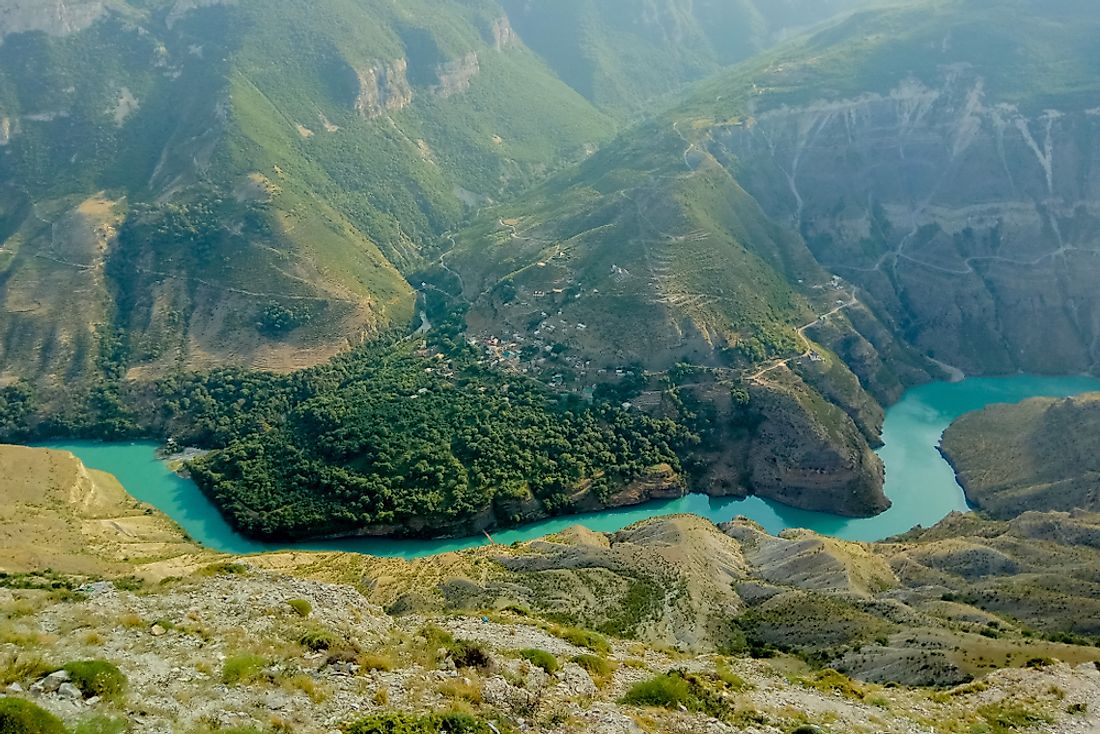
x,y
919,482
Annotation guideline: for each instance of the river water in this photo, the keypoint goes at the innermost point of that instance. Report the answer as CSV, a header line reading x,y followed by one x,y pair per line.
x,y
920,483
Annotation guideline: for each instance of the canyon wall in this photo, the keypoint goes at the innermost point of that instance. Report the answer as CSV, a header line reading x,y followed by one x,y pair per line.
x,y
972,224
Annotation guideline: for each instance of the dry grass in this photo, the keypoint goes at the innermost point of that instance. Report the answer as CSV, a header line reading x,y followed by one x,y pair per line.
x,y
466,689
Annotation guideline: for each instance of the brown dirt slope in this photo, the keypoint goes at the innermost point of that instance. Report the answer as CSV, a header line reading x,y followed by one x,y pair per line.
x,y
57,514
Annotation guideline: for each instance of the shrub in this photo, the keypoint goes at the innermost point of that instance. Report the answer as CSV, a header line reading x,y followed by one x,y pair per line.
x,y
584,638
454,723
436,637
129,583
599,669
677,689
243,669
460,690
540,659
97,678
831,681
318,640
223,569
668,691
1003,718
23,717
376,661
733,681
301,606
1039,662
467,654
306,685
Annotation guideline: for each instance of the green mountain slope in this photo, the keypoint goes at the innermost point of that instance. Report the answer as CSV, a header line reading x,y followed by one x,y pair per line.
x,y
270,171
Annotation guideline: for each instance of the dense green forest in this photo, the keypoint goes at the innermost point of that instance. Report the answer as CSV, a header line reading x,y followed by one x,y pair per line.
x,y
393,434
396,436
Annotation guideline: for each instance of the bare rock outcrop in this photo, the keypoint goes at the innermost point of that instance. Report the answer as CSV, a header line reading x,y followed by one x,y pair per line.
x,y
383,88
808,454
502,33
455,76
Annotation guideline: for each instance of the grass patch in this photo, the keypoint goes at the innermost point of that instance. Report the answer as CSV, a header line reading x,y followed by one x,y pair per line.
x,y
243,669
376,661
101,725
23,717
459,690
131,621
306,685
318,639
454,723
599,669
540,659
668,691
680,690
1002,718
834,682
301,607
97,678
23,667
594,641
732,681
223,569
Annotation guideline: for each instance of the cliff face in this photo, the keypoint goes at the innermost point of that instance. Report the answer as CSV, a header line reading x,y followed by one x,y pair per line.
x,y
502,33
383,88
808,454
456,75
972,223
54,17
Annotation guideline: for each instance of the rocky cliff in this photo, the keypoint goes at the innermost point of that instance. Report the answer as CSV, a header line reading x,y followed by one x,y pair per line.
x,y
970,220
383,87
807,453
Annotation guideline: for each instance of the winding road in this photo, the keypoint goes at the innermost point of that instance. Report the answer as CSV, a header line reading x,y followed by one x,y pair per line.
x,y
802,335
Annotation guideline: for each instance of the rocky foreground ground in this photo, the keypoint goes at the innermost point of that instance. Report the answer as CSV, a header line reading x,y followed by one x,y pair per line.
x,y
227,648
673,625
